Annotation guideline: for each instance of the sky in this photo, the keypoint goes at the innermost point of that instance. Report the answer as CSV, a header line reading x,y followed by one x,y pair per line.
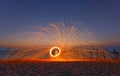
x,y
102,17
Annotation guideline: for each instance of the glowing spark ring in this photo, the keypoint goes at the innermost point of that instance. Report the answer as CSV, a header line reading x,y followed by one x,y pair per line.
x,y
50,52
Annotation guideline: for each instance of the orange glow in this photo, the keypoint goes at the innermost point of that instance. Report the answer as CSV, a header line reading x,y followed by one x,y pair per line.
x,y
56,50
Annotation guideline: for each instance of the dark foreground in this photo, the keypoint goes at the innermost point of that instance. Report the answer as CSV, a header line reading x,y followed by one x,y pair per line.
x,y
46,68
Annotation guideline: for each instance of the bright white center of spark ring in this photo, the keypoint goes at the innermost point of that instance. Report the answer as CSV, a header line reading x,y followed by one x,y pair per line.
x,y
54,51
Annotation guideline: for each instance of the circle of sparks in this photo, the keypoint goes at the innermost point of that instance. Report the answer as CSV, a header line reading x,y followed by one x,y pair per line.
x,y
52,49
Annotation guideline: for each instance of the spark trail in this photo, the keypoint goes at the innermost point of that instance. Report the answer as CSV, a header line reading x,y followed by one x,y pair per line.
x,y
37,43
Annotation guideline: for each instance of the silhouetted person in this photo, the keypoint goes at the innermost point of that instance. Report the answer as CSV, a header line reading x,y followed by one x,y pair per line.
x,y
115,53
104,56
97,54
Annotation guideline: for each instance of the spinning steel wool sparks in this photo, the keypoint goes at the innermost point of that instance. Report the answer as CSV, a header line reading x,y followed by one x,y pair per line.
x,y
41,41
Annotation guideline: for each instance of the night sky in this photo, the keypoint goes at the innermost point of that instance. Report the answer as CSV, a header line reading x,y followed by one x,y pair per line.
x,y
102,17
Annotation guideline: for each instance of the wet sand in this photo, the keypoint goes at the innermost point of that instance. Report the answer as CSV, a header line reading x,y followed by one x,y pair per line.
x,y
59,68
